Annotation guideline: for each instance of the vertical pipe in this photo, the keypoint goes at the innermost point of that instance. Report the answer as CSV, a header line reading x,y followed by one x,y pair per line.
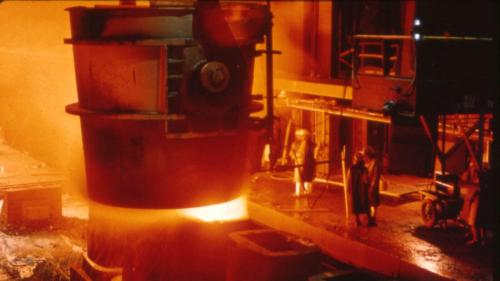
x,y
336,35
385,58
270,89
344,181
313,38
443,143
480,143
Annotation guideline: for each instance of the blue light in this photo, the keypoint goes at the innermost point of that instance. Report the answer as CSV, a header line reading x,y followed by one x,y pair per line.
x,y
417,36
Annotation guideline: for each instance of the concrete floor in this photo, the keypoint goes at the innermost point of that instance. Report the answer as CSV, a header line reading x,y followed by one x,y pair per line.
x,y
398,246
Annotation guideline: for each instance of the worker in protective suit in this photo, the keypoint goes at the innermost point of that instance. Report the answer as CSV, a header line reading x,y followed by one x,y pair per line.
x,y
302,155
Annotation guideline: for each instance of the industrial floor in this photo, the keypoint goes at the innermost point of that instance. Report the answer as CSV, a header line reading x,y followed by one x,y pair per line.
x,y
45,253
399,246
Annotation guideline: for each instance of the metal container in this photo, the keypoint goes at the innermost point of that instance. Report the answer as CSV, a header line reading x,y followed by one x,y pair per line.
x,y
270,256
165,102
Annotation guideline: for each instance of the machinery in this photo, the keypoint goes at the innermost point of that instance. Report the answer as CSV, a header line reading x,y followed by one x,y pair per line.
x,y
164,98
162,92
441,202
439,85
456,78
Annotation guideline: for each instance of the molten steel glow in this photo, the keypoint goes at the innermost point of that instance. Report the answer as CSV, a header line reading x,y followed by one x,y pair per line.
x,y
228,211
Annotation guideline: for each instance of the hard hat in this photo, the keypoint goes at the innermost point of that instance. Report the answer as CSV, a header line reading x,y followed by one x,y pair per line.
x,y
301,132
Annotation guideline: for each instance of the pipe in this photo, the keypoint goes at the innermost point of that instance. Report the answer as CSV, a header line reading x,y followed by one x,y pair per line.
x,y
270,90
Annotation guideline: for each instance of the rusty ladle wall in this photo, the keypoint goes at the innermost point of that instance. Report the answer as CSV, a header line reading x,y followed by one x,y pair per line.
x,y
164,100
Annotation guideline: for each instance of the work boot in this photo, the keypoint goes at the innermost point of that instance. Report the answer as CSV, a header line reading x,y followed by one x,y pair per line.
x,y
307,188
298,189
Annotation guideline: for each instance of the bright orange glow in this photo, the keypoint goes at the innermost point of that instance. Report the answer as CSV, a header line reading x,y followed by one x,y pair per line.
x,y
228,211
315,88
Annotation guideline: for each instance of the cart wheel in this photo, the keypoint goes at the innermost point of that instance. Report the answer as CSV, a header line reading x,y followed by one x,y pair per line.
x,y
429,213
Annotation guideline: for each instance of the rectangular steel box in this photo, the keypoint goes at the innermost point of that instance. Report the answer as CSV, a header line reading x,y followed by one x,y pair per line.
x,y
268,255
31,206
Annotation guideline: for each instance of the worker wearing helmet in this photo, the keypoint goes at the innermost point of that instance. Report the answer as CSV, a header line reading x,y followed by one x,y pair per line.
x,y
302,155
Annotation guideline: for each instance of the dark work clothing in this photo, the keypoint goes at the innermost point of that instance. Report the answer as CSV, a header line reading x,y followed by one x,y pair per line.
x,y
373,183
486,202
358,182
308,172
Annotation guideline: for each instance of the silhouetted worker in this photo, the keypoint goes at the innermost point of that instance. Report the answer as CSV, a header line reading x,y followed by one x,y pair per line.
x,y
473,221
302,154
479,210
358,186
373,168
